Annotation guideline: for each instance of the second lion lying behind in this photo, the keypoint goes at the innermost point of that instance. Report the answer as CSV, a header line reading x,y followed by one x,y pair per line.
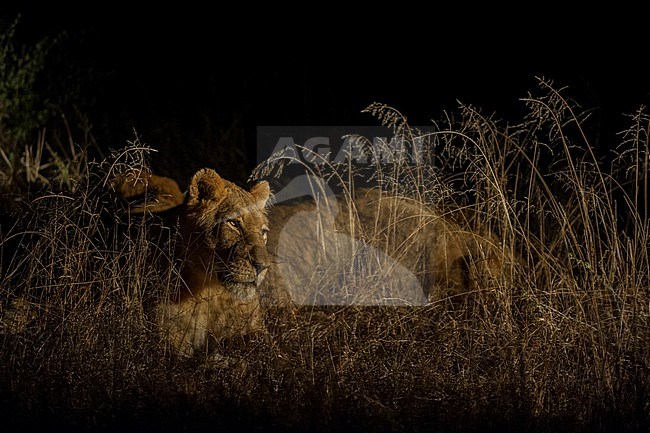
x,y
377,249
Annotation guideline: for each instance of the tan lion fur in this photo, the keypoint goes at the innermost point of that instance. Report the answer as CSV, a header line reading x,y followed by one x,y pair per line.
x,y
223,254
426,249
153,193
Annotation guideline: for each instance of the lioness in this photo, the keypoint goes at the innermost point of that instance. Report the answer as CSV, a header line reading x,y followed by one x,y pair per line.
x,y
377,249
222,247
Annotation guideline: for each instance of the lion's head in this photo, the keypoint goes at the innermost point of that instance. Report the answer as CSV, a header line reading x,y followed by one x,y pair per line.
x,y
224,231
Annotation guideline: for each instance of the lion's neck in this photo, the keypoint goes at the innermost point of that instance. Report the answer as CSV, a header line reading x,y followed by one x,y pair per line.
x,y
198,281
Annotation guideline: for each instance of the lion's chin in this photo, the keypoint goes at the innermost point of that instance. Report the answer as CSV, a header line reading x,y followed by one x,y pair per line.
x,y
242,291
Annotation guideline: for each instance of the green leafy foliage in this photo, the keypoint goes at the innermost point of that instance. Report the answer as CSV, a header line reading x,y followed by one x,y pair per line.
x,y
22,109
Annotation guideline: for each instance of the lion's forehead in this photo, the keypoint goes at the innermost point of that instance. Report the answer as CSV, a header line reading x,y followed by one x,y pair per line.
x,y
245,208
254,216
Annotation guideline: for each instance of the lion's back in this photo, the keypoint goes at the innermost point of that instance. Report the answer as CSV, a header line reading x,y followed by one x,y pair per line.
x,y
445,256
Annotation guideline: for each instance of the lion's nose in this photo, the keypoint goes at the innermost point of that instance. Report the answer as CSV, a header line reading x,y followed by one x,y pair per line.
x,y
259,267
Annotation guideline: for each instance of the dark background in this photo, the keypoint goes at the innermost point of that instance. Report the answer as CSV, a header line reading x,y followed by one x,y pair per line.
x,y
183,77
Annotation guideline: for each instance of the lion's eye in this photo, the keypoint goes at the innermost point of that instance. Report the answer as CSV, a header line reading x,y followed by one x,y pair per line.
x,y
233,224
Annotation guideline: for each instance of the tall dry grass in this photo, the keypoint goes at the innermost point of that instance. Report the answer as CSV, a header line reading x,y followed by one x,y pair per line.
x,y
562,346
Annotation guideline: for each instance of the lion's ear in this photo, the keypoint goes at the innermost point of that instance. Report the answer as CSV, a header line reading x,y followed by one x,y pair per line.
x,y
206,184
261,192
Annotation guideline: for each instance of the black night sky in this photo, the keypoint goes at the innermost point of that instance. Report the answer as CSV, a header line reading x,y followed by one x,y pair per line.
x,y
162,69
